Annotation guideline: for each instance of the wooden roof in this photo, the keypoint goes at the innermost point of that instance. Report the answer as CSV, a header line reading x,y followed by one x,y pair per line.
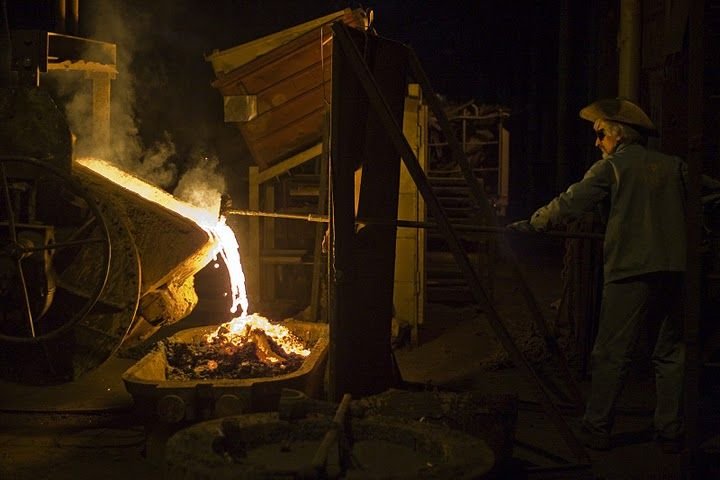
x,y
288,73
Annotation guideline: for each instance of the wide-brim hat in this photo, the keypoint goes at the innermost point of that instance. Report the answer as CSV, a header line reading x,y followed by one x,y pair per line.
x,y
618,110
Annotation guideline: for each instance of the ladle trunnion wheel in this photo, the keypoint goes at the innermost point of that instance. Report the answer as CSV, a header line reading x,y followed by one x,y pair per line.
x,y
55,258
84,260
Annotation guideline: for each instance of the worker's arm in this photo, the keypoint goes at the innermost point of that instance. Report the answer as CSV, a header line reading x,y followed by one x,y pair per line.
x,y
580,197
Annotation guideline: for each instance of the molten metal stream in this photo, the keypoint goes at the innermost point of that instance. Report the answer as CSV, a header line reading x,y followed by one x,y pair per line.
x,y
227,248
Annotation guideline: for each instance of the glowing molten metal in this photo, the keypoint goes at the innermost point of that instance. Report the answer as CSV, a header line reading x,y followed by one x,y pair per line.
x,y
244,328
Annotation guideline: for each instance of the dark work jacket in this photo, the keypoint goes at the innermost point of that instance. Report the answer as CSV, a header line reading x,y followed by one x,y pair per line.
x,y
646,222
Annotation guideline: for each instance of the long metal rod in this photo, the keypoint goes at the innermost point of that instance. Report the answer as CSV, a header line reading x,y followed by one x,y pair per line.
x,y
311,217
484,229
337,427
379,104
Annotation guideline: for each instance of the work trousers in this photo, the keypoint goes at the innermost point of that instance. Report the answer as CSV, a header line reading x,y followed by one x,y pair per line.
x,y
628,305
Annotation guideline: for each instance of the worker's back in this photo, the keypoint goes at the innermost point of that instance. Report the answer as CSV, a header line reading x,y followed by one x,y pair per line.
x,y
646,225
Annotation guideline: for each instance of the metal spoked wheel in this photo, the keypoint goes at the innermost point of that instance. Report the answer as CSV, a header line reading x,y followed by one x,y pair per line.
x,y
48,220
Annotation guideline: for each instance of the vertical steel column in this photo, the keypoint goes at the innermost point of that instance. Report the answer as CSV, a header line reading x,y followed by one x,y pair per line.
x,y
348,104
364,259
74,18
629,49
379,192
60,12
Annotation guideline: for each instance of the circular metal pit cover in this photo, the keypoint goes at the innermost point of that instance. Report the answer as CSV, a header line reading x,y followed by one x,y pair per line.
x,y
261,446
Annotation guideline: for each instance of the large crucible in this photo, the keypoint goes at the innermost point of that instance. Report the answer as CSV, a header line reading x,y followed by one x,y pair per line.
x,y
160,397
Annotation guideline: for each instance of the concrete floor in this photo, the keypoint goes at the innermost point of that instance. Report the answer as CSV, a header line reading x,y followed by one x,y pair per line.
x,y
87,429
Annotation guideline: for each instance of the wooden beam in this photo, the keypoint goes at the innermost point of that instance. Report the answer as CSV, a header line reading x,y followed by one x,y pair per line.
x,y
227,60
345,145
292,162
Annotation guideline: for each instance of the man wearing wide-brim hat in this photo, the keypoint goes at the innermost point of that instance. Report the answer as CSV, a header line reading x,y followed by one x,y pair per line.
x,y
644,260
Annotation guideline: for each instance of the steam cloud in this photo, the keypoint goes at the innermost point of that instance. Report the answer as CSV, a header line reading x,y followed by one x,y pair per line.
x,y
127,26
201,185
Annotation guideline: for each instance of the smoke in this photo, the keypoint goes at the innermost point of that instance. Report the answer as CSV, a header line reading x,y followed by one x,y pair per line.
x,y
201,185
142,146
154,163
129,27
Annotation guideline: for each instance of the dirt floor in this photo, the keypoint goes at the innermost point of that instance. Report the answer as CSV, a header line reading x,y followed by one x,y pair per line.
x,y
88,429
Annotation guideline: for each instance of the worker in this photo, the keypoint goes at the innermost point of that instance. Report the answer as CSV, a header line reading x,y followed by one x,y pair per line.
x,y
644,260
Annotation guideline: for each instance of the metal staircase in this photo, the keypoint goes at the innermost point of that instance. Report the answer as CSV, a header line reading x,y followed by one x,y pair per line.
x,y
485,142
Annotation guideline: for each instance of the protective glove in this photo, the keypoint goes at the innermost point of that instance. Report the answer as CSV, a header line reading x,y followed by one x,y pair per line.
x,y
540,220
521,226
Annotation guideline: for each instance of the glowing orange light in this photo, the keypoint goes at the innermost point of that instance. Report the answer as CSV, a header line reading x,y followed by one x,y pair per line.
x,y
239,328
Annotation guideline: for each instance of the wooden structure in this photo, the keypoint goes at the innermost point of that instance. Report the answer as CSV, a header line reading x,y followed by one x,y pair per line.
x,y
485,140
360,360
277,91
277,87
